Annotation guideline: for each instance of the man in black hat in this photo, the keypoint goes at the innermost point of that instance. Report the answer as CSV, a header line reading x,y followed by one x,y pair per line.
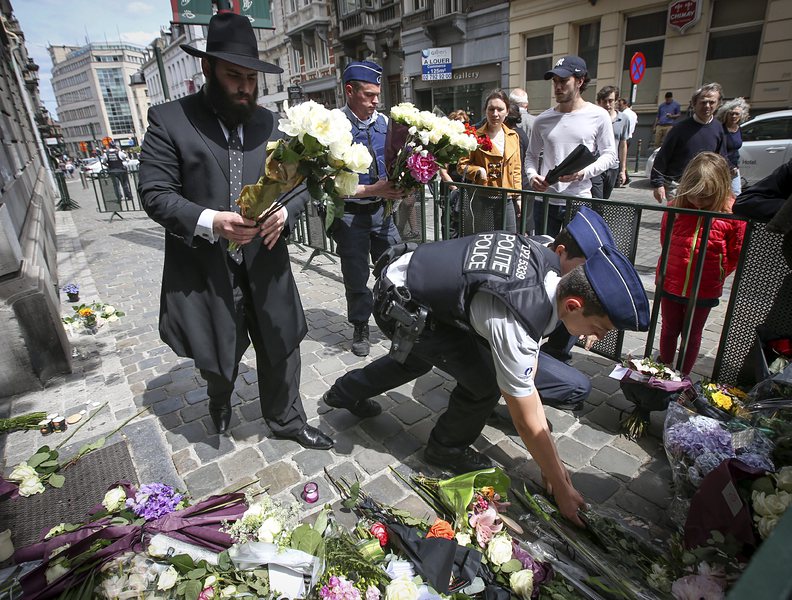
x,y
198,153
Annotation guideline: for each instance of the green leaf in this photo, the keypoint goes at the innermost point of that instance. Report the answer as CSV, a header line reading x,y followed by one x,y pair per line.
x,y
354,492
457,492
92,446
48,464
182,562
261,574
56,480
196,574
307,539
321,521
192,589
38,458
224,561
511,566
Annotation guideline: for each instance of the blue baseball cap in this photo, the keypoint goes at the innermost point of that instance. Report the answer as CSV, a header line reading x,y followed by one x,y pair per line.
x,y
619,289
590,231
365,71
568,66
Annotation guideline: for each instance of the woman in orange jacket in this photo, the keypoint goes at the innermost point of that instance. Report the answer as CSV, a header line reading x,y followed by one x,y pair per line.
x,y
496,163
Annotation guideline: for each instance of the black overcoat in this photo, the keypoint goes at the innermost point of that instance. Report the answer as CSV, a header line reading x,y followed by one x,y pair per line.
x,y
183,170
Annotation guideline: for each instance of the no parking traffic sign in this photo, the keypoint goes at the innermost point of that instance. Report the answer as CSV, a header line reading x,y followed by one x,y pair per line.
x,y
637,67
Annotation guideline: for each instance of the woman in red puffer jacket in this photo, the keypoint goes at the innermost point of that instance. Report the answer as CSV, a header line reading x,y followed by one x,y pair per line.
x,y
705,185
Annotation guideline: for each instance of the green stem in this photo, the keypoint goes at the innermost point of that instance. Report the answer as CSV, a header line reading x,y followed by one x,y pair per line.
x,y
81,425
106,437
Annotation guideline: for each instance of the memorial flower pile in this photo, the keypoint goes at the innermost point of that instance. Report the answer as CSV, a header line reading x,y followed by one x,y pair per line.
x,y
419,143
91,316
770,498
318,150
265,520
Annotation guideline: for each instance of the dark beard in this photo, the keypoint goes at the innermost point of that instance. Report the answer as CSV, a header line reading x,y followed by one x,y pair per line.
x,y
231,113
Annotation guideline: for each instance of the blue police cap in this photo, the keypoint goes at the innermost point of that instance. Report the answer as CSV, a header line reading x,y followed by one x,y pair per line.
x,y
619,289
365,71
590,231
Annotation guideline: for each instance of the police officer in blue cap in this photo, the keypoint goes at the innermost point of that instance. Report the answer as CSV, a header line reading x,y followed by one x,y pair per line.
x,y
364,232
476,307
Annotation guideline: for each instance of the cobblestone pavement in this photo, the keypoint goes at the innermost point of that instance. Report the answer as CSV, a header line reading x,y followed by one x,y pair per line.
x,y
119,261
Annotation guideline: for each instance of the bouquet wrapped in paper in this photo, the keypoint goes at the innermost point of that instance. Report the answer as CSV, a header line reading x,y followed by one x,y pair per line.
x,y
317,150
419,143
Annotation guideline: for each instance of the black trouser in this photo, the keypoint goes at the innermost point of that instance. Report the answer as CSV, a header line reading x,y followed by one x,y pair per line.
x,y
278,383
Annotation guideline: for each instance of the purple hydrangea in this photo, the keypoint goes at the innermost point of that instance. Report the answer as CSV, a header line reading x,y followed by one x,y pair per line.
x,y
154,500
542,572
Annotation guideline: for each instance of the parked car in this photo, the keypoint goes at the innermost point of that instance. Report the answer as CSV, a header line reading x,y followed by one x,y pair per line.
x,y
767,144
91,166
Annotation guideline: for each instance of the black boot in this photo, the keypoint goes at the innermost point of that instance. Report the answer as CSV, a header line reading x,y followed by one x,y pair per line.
x,y
221,415
360,340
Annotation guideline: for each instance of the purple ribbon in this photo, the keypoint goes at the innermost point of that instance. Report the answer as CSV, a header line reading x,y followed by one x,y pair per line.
x,y
199,524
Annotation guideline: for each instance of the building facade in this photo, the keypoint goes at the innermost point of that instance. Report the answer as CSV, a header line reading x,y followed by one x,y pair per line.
x,y
168,71
744,46
477,34
93,96
275,47
308,28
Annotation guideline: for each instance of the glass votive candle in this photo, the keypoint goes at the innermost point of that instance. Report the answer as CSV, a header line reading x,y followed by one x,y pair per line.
x,y
45,427
58,424
310,492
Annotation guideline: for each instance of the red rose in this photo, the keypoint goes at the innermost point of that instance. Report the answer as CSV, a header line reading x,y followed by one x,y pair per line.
x,y
485,142
378,531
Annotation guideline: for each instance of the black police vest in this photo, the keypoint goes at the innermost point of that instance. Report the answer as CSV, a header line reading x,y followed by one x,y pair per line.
x,y
444,277
373,138
114,162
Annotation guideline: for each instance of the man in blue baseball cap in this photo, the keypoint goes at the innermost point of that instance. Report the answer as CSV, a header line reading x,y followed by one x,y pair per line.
x,y
365,231
476,307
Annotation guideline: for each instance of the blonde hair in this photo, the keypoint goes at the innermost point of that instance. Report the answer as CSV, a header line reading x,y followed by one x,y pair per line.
x,y
707,177
459,115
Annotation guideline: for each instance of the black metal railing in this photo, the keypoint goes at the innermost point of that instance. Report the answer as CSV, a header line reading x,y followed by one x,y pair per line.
x,y
116,193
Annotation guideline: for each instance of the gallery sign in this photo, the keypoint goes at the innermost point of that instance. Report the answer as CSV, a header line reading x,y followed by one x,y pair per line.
x,y
436,64
683,14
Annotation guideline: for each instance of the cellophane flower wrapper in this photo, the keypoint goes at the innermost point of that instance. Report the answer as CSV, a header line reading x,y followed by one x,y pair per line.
x,y
695,445
132,576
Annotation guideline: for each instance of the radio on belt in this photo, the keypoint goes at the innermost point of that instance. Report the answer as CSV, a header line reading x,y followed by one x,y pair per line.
x,y
408,325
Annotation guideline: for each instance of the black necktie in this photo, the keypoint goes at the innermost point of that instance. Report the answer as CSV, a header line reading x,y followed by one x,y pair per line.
x,y
234,180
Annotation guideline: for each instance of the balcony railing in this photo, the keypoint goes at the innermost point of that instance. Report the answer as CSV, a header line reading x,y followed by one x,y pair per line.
x,y
444,8
306,17
370,19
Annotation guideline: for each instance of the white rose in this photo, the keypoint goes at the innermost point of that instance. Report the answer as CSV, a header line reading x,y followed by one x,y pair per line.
x,y
765,525
167,579
254,511
228,592
521,583
346,183
31,486
136,583
499,550
22,471
6,545
339,148
401,589
55,572
357,158
114,499
768,505
270,528
463,539
784,479
108,309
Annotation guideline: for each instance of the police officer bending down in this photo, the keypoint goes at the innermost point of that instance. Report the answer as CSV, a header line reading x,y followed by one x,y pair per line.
x,y
490,298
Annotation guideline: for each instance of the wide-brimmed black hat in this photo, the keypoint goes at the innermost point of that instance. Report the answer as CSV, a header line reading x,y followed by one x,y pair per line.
x,y
231,38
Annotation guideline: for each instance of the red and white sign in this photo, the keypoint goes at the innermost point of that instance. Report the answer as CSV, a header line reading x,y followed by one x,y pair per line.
x,y
683,14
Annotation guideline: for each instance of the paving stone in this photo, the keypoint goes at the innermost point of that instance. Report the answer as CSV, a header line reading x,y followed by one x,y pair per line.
x,y
435,400
374,461
247,391
381,427
606,417
213,447
345,472
168,405
410,412
273,449
278,477
617,463
184,462
186,435
242,464
170,421
195,396
561,420
593,437
340,419
327,493
349,443
180,387
204,481
573,453
251,432
595,485
637,505
311,462
416,507
653,487
385,490
402,445
251,411
605,384
158,382
194,412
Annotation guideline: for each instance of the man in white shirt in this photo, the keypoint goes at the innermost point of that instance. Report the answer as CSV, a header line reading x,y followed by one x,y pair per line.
x,y
558,131
625,106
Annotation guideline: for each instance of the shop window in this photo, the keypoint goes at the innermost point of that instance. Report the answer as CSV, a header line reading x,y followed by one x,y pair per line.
x,y
645,33
588,46
734,40
538,61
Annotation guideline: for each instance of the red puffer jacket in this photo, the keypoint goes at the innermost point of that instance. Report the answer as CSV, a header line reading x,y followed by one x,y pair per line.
x,y
723,252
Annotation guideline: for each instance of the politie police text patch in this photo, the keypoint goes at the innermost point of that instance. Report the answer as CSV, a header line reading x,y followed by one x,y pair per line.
x,y
496,253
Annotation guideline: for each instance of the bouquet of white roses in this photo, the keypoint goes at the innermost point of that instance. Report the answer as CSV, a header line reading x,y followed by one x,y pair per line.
x,y
419,143
319,150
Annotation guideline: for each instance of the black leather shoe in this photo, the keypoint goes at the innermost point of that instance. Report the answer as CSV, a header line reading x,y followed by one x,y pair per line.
x,y
311,437
360,340
364,408
456,460
221,417
570,406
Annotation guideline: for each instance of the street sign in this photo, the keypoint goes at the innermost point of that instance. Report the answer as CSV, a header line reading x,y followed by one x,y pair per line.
x,y
683,14
198,12
637,67
295,92
436,64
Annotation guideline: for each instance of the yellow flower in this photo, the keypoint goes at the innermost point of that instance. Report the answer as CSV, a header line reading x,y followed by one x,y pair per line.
x,y
85,312
722,400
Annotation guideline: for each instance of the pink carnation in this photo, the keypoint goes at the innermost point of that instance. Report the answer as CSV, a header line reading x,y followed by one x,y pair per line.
x,y
422,168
